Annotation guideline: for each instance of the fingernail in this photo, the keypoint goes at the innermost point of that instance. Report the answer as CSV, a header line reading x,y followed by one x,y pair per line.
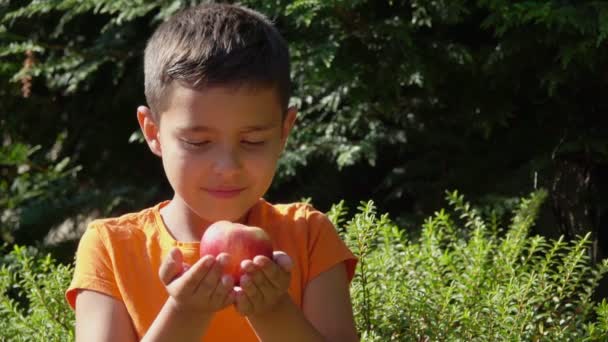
x,y
260,261
227,281
224,259
209,262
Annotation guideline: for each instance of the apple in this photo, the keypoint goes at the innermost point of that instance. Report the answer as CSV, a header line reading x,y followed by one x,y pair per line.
x,y
240,241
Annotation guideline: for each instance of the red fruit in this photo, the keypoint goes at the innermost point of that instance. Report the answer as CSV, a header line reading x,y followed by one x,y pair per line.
x,y
240,241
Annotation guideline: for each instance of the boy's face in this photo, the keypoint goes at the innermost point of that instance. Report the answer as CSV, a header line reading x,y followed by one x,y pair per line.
x,y
219,146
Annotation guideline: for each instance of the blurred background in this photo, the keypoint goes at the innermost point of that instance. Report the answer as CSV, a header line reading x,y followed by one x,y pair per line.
x,y
399,101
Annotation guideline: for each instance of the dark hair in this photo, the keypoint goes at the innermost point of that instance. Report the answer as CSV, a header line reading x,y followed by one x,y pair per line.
x,y
215,45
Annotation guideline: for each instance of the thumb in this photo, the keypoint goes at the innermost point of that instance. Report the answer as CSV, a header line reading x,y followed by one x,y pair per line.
x,y
172,266
283,260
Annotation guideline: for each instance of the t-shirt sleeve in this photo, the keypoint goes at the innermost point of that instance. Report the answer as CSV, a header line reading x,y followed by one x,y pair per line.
x,y
325,247
93,270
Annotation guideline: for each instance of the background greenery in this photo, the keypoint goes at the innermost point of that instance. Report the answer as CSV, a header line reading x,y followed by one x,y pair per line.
x,y
399,101
465,278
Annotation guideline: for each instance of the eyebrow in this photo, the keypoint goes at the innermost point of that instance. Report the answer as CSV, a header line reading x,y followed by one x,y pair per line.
x,y
203,129
193,129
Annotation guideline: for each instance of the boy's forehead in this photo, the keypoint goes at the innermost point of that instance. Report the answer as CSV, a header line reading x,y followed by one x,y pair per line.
x,y
197,128
239,95
258,107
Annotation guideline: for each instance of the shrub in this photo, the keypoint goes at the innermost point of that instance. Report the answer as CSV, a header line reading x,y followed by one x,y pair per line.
x,y
32,306
467,279
463,278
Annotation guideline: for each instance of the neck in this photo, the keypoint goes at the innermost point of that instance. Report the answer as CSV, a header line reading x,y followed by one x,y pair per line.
x,y
184,224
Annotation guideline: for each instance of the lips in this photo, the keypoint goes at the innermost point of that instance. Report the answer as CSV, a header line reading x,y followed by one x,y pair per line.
x,y
224,192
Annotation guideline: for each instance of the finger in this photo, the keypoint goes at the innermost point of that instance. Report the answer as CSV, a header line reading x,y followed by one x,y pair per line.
x,y
223,289
242,302
209,282
171,267
260,289
261,261
196,273
283,260
276,277
251,290
284,265
247,266
230,298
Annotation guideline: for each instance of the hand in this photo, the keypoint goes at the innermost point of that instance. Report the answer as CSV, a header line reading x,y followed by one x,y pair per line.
x,y
264,284
200,288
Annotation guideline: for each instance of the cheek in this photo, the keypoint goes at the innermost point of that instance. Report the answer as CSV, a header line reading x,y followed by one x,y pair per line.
x,y
173,168
261,164
179,165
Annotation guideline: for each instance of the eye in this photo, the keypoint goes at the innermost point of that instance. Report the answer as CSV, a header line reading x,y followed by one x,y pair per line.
x,y
253,143
194,143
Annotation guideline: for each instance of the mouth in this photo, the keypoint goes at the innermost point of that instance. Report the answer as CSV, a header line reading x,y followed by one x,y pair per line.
x,y
224,193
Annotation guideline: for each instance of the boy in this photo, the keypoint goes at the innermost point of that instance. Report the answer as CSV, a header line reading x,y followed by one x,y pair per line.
x,y
217,86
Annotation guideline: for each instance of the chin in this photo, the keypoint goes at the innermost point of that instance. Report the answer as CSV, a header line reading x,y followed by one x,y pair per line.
x,y
219,215
212,209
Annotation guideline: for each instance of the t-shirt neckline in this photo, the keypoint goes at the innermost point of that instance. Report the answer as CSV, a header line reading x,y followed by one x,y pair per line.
x,y
165,235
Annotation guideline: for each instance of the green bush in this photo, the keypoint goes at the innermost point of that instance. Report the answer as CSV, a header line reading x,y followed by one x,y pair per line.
x,y
463,278
32,306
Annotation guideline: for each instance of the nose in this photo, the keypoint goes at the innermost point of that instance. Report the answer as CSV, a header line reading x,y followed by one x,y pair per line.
x,y
227,161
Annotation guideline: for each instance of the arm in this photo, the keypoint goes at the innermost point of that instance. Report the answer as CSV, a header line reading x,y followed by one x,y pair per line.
x,y
328,307
102,318
326,315
173,324
195,294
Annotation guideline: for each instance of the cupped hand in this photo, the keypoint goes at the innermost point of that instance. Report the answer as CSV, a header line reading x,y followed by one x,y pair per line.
x,y
200,288
264,283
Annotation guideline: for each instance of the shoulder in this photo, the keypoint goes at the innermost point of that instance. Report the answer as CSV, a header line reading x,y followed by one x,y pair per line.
x,y
297,220
294,210
125,226
293,214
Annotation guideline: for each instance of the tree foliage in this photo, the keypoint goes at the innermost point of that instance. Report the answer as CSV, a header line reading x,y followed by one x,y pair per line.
x,y
398,101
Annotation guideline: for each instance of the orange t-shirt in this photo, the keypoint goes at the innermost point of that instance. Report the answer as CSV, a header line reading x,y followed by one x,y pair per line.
x,y
120,257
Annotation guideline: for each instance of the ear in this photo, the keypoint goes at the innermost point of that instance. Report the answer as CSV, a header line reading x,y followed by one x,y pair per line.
x,y
288,123
150,129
